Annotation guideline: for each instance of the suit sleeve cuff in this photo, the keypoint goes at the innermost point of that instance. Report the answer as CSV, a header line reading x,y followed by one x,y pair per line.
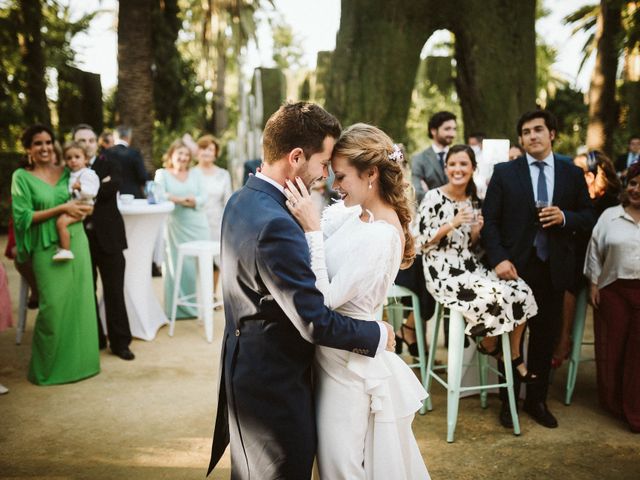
x,y
382,345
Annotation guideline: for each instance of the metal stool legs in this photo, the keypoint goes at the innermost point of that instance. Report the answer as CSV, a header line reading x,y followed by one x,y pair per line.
x,y
454,371
395,315
577,335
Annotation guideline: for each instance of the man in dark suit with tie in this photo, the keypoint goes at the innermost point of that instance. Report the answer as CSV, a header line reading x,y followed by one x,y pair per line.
x,y
427,167
134,175
107,240
539,248
274,313
625,160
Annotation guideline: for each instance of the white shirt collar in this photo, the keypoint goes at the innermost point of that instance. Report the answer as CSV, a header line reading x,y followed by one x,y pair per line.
x,y
121,142
92,161
438,149
548,160
262,176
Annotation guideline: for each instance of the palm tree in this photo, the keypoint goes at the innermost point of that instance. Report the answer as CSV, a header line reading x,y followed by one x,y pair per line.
x,y
33,58
134,101
613,29
223,29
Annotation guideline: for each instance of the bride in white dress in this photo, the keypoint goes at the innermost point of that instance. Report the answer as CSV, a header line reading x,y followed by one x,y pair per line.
x,y
364,406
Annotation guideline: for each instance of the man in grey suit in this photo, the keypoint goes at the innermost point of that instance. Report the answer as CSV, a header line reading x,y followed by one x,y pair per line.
x,y
427,167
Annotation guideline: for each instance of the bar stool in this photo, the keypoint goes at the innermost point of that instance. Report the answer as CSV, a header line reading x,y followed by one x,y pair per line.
x,y
454,371
395,310
22,310
204,252
577,335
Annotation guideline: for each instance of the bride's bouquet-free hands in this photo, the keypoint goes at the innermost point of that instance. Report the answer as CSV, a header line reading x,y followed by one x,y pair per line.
x,y
301,205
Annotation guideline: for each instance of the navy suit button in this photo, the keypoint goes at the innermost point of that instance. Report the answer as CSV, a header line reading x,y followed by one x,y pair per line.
x,y
237,333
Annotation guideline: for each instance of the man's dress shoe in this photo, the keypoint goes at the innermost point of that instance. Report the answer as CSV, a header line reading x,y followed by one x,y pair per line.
x,y
541,414
124,354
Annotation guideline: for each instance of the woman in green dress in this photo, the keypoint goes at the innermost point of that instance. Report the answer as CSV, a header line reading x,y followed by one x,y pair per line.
x,y
188,221
65,338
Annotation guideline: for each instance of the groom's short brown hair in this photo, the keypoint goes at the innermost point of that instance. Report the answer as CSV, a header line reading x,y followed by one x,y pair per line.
x,y
298,125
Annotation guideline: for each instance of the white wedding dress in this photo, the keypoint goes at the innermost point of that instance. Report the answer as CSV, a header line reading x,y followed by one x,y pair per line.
x,y
364,405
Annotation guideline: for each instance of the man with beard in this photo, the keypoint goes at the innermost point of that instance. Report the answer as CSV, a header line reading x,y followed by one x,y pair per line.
x,y
427,167
274,313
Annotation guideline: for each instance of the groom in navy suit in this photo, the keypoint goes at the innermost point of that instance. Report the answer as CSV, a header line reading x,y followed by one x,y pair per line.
x,y
539,248
274,314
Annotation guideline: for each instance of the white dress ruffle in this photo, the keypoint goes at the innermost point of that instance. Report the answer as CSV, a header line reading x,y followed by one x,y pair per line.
x,y
362,259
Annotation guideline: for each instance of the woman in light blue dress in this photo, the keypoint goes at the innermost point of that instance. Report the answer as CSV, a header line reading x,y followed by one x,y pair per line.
x,y
188,221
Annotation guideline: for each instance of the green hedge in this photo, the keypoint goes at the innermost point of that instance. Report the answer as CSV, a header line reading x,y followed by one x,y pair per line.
x,y
9,161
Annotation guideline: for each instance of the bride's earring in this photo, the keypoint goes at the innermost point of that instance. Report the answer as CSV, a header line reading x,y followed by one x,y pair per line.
x,y
370,187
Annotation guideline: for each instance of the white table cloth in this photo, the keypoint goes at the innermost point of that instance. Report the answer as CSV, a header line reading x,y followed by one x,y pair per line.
x,y
142,222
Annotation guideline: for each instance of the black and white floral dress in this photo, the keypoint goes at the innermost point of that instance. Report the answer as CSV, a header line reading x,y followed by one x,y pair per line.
x,y
456,278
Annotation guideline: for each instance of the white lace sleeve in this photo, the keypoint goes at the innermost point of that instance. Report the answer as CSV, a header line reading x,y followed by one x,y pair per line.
x,y
370,270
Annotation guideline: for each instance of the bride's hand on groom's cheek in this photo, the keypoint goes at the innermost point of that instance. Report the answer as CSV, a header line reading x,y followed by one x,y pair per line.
x,y
301,205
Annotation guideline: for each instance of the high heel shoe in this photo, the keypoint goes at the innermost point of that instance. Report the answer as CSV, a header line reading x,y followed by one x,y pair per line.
x,y
529,377
412,347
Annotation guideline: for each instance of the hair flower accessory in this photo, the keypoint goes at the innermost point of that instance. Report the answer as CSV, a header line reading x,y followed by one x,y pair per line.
x,y
396,155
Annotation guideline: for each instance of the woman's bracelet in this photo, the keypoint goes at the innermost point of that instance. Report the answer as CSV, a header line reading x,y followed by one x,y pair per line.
x,y
451,225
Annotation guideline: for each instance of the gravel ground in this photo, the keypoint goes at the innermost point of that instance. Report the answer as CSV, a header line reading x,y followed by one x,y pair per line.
x,y
153,418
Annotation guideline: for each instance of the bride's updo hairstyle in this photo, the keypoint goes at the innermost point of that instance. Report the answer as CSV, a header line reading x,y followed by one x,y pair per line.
x,y
365,146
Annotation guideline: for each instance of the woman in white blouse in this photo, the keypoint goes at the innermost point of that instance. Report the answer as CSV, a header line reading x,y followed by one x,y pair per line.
x,y
613,267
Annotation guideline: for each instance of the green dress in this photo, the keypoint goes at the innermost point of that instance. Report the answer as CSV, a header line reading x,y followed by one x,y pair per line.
x,y
65,336
185,224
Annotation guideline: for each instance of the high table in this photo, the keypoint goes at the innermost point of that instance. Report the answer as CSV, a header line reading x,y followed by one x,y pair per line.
x,y
142,222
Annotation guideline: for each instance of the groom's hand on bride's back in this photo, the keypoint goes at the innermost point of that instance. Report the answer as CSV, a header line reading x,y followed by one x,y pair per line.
x,y
391,337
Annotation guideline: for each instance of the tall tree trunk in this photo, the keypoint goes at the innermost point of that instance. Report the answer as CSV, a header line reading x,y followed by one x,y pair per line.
x,y
36,109
495,51
630,90
378,47
374,65
603,109
134,102
167,63
219,96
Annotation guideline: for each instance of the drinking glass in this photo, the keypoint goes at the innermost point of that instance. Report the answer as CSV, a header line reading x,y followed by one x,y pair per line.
x,y
540,204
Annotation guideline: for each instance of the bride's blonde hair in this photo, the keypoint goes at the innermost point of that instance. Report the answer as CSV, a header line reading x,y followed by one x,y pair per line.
x,y
365,146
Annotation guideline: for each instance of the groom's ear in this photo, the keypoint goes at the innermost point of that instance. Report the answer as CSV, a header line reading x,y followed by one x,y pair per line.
x,y
295,156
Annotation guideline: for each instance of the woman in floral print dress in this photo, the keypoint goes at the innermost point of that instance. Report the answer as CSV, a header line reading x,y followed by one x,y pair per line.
x,y
449,232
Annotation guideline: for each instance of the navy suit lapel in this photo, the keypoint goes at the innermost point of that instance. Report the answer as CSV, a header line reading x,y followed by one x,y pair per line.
x,y
559,180
260,185
525,179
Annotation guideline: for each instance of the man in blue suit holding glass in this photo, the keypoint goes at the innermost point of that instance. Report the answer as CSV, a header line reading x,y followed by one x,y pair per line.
x,y
274,314
532,208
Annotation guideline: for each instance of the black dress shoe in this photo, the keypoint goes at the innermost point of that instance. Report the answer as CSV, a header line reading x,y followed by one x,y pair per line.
x,y
124,354
505,416
541,414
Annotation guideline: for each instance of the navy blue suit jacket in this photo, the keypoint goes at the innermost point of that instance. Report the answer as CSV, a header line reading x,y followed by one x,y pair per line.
x,y
510,217
274,316
134,175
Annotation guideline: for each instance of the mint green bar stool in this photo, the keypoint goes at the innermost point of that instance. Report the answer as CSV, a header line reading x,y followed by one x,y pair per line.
x,y
454,366
577,335
395,311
